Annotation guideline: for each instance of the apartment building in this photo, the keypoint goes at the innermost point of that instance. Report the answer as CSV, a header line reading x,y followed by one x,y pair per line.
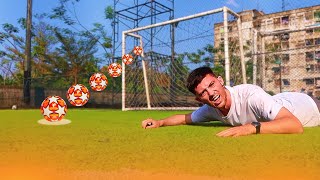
x,y
286,46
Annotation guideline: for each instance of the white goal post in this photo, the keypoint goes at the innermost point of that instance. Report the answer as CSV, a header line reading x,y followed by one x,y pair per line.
x,y
171,49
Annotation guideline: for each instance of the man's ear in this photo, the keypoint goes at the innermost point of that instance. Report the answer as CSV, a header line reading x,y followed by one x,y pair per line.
x,y
220,79
197,99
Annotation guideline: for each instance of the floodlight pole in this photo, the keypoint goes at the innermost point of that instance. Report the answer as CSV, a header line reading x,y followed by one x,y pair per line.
x,y
27,60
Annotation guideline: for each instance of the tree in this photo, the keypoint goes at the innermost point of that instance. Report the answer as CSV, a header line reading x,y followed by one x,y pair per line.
x,y
12,56
66,13
75,56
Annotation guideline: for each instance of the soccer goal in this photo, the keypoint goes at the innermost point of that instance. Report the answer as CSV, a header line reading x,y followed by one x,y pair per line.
x,y
170,51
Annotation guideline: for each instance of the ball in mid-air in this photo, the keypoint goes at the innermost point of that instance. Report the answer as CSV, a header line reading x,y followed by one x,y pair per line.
x,y
98,82
137,50
114,70
78,95
127,59
53,108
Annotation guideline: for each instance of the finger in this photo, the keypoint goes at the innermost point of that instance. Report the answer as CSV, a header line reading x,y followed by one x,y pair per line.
x,y
227,133
149,127
224,132
143,124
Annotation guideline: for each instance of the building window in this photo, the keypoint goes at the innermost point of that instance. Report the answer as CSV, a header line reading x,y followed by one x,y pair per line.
x,y
309,81
317,41
317,16
308,16
309,31
276,70
285,20
309,56
285,36
310,68
286,82
317,56
309,42
285,58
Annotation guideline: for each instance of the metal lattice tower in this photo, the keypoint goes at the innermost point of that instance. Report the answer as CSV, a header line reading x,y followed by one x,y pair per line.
x,y
140,13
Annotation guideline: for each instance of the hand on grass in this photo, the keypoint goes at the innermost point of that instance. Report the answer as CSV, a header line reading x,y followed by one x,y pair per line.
x,y
150,123
238,131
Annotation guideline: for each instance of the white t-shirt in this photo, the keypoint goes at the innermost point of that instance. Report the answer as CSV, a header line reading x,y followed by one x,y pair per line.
x,y
251,103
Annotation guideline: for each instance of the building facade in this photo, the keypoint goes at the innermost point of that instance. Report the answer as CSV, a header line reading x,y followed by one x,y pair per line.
x,y
283,47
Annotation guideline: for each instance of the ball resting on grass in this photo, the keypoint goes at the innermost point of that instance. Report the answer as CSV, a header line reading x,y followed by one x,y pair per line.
x,y
54,123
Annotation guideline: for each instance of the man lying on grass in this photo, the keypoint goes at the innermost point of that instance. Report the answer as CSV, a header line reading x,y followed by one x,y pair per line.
x,y
246,107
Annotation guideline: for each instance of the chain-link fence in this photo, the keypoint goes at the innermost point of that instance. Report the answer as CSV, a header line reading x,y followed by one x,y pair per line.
x,y
58,86
281,42
286,51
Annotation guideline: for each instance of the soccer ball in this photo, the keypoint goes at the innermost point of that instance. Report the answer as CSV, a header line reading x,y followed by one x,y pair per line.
x,y
14,107
114,70
137,50
53,108
78,95
98,82
127,59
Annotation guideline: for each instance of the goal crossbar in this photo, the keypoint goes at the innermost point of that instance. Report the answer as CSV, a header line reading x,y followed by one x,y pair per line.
x,y
135,34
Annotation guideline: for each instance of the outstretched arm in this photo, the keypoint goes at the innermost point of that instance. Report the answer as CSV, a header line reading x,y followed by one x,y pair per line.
x,y
284,123
179,119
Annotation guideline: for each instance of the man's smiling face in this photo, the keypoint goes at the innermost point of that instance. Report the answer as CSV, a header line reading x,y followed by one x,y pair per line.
x,y
212,92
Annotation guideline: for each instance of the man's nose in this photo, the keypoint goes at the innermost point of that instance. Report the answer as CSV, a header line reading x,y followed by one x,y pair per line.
x,y
210,91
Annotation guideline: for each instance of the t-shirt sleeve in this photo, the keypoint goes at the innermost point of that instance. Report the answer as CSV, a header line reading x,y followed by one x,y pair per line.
x,y
263,105
204,114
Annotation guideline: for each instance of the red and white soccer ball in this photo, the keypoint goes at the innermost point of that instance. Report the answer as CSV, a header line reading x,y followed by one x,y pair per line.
x,y
78,95
127,59
53,108
137,50
98,82
114,70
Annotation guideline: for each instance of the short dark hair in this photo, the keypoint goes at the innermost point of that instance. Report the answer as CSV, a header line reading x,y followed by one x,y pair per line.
x,y
196,76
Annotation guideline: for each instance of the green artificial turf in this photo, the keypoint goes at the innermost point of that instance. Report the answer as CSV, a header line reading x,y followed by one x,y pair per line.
x,y
109,140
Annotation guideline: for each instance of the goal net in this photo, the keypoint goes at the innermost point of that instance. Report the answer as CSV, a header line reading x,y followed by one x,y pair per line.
x,y
171,50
